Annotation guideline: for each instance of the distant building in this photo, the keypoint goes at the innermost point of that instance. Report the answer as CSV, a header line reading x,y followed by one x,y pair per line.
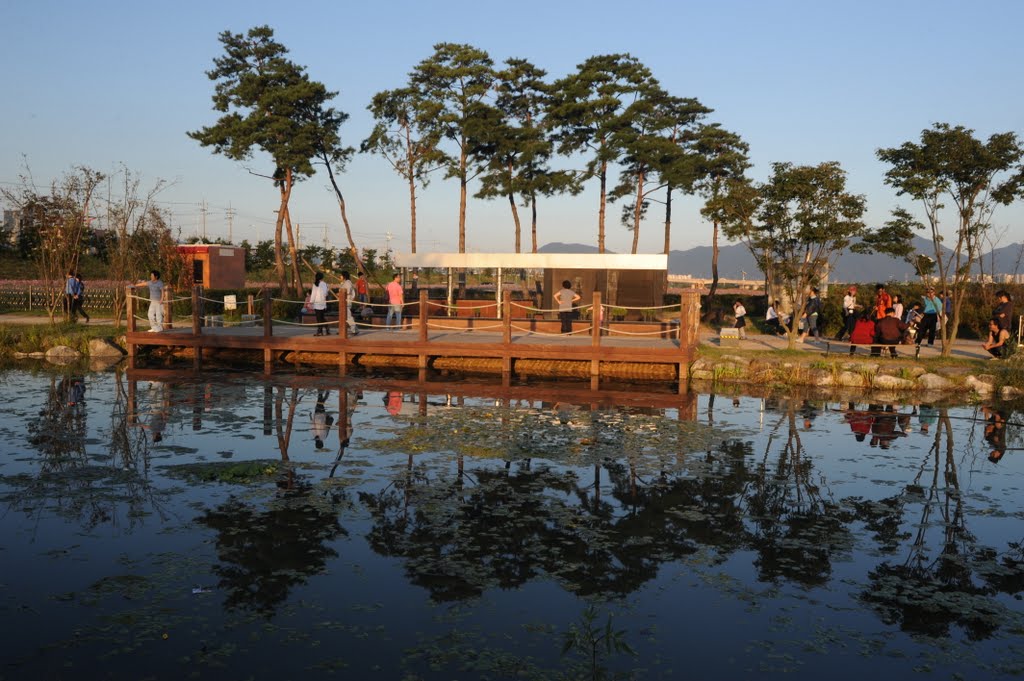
x,y
215,266
11,227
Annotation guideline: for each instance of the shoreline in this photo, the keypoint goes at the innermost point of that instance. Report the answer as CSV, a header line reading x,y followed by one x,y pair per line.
x,y
758,363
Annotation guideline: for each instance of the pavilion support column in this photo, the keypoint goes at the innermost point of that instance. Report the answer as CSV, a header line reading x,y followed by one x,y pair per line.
x,y
595,341
343,312
197,322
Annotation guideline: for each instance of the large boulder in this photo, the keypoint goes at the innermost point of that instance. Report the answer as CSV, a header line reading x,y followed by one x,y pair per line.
x,y
850,379
103,347
886,382
62,353
934,382
979,385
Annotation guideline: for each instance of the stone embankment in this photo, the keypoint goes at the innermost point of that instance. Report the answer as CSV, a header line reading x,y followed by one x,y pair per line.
x,y
864,375
101,352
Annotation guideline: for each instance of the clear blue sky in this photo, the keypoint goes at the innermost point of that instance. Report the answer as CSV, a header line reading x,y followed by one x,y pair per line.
x,y
112,82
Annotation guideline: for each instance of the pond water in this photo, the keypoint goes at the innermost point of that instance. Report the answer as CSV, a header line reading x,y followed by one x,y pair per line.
x,y
233,527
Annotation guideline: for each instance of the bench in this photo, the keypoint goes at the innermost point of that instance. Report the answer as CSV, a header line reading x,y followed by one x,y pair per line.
x,y
881,347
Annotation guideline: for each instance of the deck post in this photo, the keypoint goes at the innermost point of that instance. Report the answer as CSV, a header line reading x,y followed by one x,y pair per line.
x,y
129,298
689,318
506,336
267,324
342,331
268,354
251,303
506,318
423,315
168,309
196,321
342,314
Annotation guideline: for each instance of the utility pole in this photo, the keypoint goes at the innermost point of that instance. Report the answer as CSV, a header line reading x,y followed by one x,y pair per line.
x,y
231,223
202,211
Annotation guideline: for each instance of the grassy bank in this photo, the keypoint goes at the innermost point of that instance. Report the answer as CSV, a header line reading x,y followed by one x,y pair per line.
x,y
42,337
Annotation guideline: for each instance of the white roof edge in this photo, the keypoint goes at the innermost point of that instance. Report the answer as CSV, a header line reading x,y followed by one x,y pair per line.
x,y
577,261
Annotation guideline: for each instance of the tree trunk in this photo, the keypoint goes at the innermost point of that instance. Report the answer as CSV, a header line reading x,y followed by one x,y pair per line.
x,y
515,218
344,219
411,177
282,278
601,209
714,263
533,223
293,251
638,210
463,182
668,219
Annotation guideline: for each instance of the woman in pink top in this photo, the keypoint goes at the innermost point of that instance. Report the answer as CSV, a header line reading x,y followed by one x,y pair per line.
x,y
396,300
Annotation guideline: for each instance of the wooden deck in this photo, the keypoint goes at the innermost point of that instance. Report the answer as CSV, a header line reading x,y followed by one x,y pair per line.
x,y
513,342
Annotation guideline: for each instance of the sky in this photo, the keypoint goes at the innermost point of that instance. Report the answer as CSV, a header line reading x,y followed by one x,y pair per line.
x,y
107,83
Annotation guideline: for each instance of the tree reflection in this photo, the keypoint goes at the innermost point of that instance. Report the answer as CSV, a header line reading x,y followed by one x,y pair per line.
x,y
265,553
90,487
928,593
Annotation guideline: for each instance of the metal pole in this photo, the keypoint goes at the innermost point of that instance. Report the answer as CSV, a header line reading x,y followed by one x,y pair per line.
x,y
449,296
497,294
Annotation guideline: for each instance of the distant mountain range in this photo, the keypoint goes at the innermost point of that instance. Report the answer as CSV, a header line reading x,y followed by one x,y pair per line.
x,y
734,260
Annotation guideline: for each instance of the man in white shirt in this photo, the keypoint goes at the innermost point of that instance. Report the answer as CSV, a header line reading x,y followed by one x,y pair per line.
x,y
350,296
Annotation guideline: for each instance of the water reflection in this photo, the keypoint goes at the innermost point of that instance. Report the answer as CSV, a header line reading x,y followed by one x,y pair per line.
x,y
264,553
897,510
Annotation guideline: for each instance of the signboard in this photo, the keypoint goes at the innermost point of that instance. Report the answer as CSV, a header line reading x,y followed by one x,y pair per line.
x,y
230,303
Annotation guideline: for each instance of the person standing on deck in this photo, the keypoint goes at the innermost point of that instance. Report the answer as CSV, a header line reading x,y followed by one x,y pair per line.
x,y
318,299
362,292
565,297
156,298
396,301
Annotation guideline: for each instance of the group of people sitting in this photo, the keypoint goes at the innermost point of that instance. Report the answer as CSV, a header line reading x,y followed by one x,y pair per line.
x,y
888,323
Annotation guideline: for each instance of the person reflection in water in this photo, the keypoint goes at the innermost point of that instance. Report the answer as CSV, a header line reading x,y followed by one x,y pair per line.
x,y
883,428
76,395
995,433
860,422
322,421
393,402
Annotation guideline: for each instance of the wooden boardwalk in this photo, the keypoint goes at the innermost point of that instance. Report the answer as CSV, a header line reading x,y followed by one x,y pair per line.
x,y
422,342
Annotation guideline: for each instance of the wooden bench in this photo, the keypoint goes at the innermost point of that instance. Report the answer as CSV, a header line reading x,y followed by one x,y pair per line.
x,y
881,347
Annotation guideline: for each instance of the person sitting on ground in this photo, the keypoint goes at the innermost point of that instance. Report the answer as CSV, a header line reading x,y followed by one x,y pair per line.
x,y
997,340
1003,312
888,331
863,330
